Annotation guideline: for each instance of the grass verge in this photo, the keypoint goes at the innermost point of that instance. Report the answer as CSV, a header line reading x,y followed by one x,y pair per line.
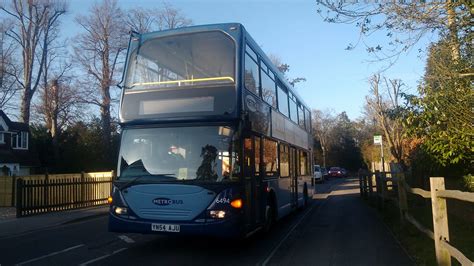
x,y
418,245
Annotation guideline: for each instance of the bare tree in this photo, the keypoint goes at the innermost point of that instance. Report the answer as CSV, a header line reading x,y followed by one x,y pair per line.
x,y
140,19
57,107
284,69
383,100
403,22
98,51
32,20
323,124
8,86
171,18
160,18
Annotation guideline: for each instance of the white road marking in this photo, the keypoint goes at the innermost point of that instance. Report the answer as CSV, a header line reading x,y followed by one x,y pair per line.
x,y
50,254
126,239
102,257
286,236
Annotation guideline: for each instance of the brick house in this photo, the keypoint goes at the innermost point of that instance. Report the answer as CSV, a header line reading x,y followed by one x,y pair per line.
x,y
16,154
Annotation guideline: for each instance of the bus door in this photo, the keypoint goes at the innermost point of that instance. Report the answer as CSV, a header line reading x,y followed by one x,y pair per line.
x,y
252,180
294,177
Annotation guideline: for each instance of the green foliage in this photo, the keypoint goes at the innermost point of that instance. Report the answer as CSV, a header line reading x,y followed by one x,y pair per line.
x,y
442,115
343,149
468,181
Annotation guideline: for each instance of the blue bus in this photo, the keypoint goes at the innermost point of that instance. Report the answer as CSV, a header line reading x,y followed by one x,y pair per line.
x,y
214,140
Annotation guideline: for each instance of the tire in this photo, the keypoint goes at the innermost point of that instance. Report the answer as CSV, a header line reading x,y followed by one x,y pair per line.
x,y
269,216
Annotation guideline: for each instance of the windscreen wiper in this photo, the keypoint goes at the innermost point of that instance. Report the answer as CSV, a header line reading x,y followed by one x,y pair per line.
x,y
134,181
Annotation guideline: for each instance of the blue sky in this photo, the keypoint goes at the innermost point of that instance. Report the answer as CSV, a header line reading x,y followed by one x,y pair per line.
x,y
291,29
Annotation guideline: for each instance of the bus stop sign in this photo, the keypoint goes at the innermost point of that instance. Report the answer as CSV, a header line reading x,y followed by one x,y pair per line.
x,y
378,140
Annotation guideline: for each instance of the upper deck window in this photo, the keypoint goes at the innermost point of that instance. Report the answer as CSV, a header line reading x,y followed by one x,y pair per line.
x,y
293,110
195,59
301,116
251,53
283,101
307,118
268,87
251,77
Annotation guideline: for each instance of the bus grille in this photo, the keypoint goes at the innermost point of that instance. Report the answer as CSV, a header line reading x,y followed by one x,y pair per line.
x,y
164,214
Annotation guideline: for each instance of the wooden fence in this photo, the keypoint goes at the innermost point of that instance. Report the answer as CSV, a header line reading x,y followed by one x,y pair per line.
x,y
7,188
8,184
393,186
61,192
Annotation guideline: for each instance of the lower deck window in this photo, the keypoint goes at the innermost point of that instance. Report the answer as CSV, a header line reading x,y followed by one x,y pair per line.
x,y
303,161
270,157
284,161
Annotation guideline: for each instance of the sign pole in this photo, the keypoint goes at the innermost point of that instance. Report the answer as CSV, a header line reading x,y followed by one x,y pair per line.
x,y
379,141
381,152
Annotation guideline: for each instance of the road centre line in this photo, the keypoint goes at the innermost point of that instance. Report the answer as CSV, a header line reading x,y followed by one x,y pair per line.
x,y
126,239
50,254
102,257
286,236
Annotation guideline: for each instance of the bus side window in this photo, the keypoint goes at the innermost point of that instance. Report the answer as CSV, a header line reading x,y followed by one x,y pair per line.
x,y
307,118
270,157
284,161
251,77
301,116
293,110
268,86
303,163
293,155
283,101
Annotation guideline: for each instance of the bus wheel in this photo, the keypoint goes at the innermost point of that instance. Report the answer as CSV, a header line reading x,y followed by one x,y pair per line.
x,y
269,217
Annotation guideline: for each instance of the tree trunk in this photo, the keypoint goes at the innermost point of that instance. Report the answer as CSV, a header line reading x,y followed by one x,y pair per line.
x,y
25,106
106,129
54,118
453,31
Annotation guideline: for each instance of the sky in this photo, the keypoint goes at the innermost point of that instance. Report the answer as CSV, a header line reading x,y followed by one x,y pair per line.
x,y
336,79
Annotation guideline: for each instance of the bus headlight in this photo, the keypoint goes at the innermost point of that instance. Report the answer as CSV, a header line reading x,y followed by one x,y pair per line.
x,y
217,214
121,210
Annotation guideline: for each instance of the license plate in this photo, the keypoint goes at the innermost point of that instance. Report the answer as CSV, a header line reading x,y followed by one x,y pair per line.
x,y
165,228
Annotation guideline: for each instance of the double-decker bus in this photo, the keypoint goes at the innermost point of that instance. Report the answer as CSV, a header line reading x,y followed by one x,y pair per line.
x,y
214,140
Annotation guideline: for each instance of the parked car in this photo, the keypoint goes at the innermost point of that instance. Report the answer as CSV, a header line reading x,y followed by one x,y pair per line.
x,y
324,170
337,172
317,174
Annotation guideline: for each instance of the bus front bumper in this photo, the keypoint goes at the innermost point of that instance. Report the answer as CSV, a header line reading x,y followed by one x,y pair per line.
x,y
230,227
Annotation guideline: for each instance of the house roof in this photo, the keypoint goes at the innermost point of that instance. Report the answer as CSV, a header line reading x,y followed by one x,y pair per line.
x,y
12,126
27,157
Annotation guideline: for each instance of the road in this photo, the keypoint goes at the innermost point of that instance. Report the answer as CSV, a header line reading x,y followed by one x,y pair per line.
x,y
338,228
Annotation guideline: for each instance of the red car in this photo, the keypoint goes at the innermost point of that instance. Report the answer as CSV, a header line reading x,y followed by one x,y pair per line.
x,y
337,172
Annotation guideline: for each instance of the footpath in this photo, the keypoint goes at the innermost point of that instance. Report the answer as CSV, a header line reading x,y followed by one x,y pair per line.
x,y
342,230
12,226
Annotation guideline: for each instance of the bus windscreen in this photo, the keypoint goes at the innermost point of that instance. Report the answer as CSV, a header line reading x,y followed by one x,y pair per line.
x,y
206,154
194,59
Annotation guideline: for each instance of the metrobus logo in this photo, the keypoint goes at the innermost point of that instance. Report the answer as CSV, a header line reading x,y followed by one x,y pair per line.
x,y
166,201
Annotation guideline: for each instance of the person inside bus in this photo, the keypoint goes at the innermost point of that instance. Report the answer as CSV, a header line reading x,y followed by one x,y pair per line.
x,y
207,169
